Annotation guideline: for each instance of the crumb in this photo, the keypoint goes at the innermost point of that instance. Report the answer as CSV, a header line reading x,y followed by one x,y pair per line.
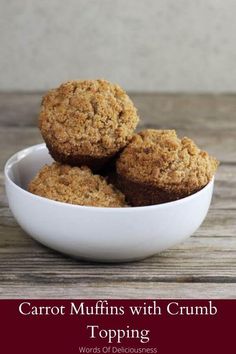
x,y
93,118
158,158
75,185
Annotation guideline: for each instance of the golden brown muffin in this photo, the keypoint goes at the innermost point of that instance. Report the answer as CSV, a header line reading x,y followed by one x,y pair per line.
x,y
75,185
158,167
87,122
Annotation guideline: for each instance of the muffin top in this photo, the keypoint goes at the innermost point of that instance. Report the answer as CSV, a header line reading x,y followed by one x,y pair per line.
x,y
89,117
75,185
161,159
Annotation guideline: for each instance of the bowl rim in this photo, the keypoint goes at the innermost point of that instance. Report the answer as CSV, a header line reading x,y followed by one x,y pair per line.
x,y
16,157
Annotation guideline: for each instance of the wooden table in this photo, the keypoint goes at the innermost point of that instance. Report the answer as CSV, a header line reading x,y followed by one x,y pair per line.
x,y
202,267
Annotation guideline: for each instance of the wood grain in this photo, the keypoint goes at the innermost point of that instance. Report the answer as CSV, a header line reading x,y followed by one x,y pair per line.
x,y
202,267
119,290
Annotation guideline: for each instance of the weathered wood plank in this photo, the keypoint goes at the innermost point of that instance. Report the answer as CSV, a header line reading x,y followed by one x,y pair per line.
x,y
14,139
3,197
224,196
218,222
19,109
190,111
114,290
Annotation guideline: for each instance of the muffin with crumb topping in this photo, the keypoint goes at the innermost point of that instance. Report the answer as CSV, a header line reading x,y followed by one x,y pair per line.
x,y
158,167
87,122
75,185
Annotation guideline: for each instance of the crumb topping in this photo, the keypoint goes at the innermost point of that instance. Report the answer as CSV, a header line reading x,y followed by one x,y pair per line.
x,y
75,185
87,117
161,159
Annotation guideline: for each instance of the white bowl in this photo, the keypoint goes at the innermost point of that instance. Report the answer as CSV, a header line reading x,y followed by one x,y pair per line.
x,y
99,234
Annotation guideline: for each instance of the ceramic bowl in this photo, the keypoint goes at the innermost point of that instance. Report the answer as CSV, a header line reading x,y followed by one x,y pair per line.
x,y
94,233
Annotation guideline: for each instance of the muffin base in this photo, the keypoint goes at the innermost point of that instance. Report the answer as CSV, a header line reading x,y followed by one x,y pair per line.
x,y
95,163
142,194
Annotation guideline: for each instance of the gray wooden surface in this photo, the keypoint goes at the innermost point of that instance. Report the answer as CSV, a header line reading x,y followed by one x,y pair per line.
x,y
202,267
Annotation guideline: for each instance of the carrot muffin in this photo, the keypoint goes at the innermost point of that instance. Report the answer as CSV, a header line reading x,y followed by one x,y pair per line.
x,y
87,122
75,185
157,167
